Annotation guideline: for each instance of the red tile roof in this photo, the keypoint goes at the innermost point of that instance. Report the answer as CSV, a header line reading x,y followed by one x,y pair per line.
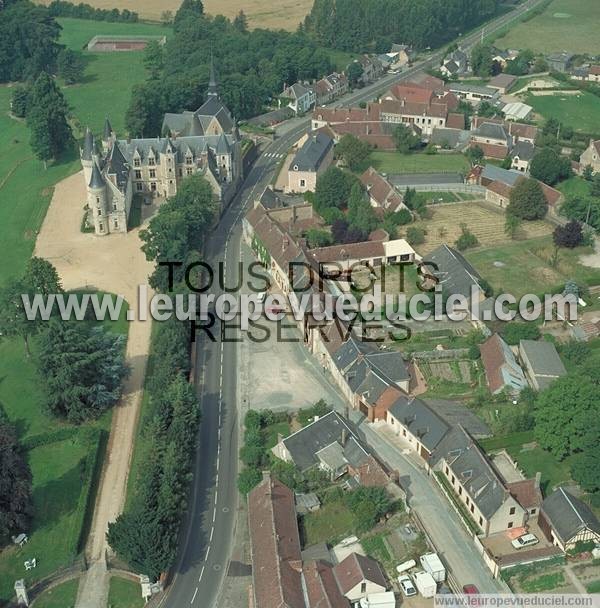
x,y
500,188
371,474
411,92
276,556
455,121
595,69
527,493
380,190
356,569
492,356
350,251
321,587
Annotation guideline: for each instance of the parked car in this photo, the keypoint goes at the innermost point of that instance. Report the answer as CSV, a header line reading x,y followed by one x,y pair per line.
x,y
470,590
406,584
525,540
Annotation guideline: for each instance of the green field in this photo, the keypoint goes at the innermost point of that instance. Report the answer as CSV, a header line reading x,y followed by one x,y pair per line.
x,y
394,162
61,596
109,77
124,593
580,111
531,259
565,24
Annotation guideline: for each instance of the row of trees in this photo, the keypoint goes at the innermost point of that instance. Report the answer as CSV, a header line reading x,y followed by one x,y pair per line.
x,y
146,533
61,8
373,25
252,67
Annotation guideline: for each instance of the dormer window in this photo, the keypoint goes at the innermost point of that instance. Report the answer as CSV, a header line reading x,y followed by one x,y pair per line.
x,y
188,160
151,161
136,162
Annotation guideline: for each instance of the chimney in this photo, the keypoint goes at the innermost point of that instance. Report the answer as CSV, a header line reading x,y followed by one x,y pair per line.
x,y
344,438
538,478
267,479
284,243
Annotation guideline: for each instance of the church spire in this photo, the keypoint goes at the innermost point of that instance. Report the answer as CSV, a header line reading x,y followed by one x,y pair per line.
x,y
213,89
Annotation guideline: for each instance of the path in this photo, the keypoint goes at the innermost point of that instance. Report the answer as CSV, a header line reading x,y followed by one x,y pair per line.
x,y
576,582
115,264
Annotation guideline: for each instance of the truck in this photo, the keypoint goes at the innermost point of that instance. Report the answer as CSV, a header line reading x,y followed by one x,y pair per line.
x,y
404,566
425,583
430,562
385,599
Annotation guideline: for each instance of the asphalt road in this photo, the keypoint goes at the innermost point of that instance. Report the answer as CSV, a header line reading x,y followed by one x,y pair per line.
x,y
210,525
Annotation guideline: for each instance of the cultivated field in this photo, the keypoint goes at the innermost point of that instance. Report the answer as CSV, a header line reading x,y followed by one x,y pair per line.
x,y
565,24
485,223
579,110
285,14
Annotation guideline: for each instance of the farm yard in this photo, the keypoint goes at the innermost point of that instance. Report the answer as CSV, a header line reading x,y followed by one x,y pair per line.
x,y
564,24
486,223
285,14
577,109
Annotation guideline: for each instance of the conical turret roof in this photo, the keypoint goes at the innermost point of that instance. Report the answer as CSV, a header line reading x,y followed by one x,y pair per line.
x,y
88,145
97,179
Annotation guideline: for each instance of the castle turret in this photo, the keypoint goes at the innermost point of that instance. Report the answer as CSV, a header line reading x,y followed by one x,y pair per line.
x,y
97,203
108,136
87,153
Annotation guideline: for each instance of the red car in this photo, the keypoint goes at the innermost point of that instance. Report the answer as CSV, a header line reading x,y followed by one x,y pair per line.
x,y
470,590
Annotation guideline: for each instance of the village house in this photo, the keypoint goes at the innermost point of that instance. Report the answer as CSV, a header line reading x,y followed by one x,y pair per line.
x,y
205,142
559,62
372,68
517,131
541,363
473,93
382,195
493,139
455,64
315,154
402,55
281,578
329,88
299,97
566,520
521,156
476,484
502,82
591,156
502,371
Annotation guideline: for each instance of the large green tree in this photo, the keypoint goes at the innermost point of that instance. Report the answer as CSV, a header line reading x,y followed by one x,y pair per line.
x,y
564,412
82,368
333,188
71,66
15,484
361,215
527,200
354,152
549,167
405,139
47,119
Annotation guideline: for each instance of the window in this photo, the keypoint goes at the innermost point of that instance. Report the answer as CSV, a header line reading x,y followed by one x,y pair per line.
x,y
447,470
460,490
181,172
136,162
302,183
363,587
98,200
114,206
99,211
468,501
100,227
189,171
512,511
188,160
116,224
139,187
472,508
510,524
152,173
533,511
481,521
151,161
153,186
138,175
453,479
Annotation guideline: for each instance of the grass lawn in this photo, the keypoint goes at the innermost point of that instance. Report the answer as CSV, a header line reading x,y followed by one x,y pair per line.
x,y
564,24
376,548
124,593
78,32
340,59
575,186
530,258
394,162
62,596
109,77
331,523
580,111
545,582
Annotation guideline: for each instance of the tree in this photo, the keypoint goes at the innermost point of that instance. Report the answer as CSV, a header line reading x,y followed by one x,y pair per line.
x,y
512,224
166,17
13,321
467,239
248,479
487,110
596,186
563,414
20,101
189,10
369,505
588,173
570,235
415,236
361,215
540,65
240,23
70,66
154,59
41,277
482,60
585,469
353,151
333,188
527,200
516,331
549,167
354,73
520,65
405,139
82,368
318,238
15,484
47,119
475,154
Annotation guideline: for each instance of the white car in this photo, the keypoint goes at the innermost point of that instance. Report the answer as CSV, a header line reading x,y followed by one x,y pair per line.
x,y
406,584
525,540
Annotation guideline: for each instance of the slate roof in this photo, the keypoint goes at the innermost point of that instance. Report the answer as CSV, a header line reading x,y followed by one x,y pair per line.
x,y
525,150
451,136
492,131
473,469
498,174
313,152
456,275
420,420
568,515
96,180
304,444
117,165
503,81
543,359
106,133
358,568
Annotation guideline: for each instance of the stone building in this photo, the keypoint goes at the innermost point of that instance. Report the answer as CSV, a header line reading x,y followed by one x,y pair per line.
x,y
205,142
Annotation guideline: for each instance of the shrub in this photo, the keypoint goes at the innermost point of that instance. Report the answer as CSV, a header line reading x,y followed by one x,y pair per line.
x,y
415,236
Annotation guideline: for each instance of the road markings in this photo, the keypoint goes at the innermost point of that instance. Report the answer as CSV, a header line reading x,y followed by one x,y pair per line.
x,y
201,573
194,596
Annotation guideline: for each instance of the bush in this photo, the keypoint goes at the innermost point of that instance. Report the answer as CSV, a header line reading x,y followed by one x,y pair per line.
x,y
466,240
514,332
415,236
